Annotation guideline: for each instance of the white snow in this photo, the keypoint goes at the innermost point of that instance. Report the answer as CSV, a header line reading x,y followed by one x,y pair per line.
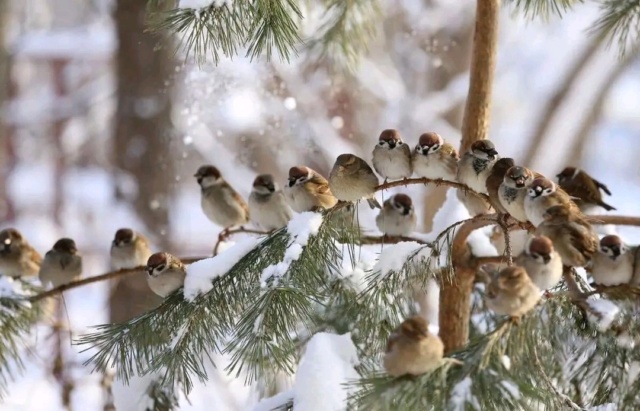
x,y
510,388
10,287
201,273
462,395
352,273
506,362
607,310
325,367
200,4
271,403
393,257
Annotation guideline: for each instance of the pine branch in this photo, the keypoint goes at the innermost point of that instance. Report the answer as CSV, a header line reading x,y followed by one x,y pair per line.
x,y
544,8
620,21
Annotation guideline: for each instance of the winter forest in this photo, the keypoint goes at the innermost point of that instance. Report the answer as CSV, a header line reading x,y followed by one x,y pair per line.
x,y
328,205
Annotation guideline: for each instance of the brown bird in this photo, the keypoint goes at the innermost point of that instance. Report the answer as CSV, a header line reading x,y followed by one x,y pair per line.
x,y
397,217
542,262
511,292
434,158
613,264
62,264
307,190
392,156
586,189
166,273
17,257
572,237
412,349
494,180
352,179
513,191
129,249
221,204
543,194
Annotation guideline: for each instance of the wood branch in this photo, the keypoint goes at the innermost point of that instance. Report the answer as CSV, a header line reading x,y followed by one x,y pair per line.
x,y
383,239
495,259
613,219
438,182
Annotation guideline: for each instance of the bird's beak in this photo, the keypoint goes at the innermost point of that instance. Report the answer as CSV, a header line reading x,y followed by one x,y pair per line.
x,y
492,152
546,258
292,181
392,143
520,182
616,252
406,210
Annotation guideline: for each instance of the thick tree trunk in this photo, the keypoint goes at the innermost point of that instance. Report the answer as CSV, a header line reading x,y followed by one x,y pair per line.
x,y
455,296
141,145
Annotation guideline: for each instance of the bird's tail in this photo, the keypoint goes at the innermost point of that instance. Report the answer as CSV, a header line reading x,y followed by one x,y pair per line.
x,y
373,203
606,206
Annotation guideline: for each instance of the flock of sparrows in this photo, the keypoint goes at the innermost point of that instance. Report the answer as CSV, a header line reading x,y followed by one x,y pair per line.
x,y
562,234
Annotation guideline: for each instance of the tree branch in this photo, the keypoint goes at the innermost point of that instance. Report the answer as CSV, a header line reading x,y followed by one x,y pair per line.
x,y
437,182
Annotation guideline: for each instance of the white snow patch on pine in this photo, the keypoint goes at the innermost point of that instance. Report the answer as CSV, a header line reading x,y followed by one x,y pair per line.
x,y
325,367
480,244
10,287
506,362
201,274
510,388
275,402
633,372
462,395
393,257
604,407
607,310
201,4
353,273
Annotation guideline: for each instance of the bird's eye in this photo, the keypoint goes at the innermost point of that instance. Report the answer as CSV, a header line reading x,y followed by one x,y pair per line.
x,y
548,191
399,143
434,148
382,143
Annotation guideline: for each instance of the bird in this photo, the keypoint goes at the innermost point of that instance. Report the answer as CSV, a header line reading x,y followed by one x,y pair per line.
x,y
572,237
511,292
166,273
513,191
473,170
542,263
129,249
543,194
17,257
62,264
613,263
495,179
219,201
268,207
351,179
392,156
397,217
412,349
586,189
308,190
434,158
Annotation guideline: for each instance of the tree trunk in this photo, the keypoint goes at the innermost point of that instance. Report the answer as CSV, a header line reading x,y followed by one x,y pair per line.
x,y
455,296
7,154
141,145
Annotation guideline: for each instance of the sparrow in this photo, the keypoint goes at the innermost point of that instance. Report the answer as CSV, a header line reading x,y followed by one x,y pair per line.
x,y
434,158
572,237
166,273
475,165
351,179
543,194
513,191
392,156
220,202
584,188
268,207
613,264
397,217
494,180
412,349
541,261
129,249
62,264
511,292
307,190
17,257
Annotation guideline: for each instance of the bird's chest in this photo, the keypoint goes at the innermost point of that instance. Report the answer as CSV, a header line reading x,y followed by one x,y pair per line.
x,y
509,194
391,161
479,165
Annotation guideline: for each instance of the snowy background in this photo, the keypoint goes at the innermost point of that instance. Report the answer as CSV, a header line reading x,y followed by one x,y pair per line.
x,y
57,151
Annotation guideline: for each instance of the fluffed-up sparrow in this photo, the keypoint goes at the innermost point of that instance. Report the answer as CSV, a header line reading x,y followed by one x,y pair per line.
x,y
495,179
511,292
397,217
543,194
613,264
475,165
434,158
513,191
62,264
166,273
220,202
351,179
586,189
572,237
129,249
412,349
392,156
17,257
268,207
542,262
307,190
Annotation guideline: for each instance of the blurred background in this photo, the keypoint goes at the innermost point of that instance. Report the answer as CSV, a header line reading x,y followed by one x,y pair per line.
x,y
102,126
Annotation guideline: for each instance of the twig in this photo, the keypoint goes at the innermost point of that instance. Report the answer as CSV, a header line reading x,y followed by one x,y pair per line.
x,y
384,239
507,239
226,233
437,182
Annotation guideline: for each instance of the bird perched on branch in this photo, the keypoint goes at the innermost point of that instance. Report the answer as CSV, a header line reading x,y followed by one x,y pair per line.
x,y
129,249
166,273
543,194
434,158
586,189
392,156
268,207
513,191
17,257
511,291
572,237
542,263
412,349
220,202
613,264
397,217
62,264
307,190
495,179
473,170
351,179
